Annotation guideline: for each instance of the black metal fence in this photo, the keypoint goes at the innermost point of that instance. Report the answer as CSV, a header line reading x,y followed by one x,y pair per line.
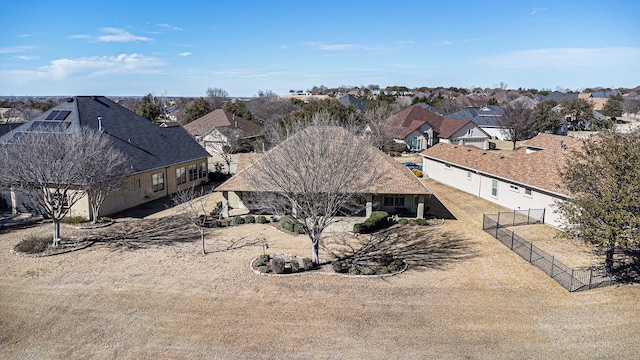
x,y
570,278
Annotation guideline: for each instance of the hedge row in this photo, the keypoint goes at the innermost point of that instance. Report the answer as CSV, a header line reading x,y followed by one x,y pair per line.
x,y
378,220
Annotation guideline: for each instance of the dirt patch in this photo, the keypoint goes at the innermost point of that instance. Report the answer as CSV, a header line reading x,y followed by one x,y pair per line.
x,y
144,291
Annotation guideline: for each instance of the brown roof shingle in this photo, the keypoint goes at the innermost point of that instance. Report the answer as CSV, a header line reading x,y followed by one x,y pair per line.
x,y
223,119
535,164
398,178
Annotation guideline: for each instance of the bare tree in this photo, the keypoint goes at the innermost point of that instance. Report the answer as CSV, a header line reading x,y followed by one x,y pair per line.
x,y
217,97
107,174
53,169
376,131
517,122
192,205
267,107
316,173
448,106
233,144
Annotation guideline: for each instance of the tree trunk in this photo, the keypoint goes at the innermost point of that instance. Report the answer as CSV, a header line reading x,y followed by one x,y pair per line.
x,y
514,143
94,214
56,232
202,239
608,262
314,251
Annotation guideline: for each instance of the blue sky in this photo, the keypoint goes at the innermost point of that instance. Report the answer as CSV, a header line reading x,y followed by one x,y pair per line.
x,y
181,48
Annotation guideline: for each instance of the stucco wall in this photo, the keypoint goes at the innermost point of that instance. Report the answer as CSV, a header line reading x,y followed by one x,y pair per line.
x,y
511,196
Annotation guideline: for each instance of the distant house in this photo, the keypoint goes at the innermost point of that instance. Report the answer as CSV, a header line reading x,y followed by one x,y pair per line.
x,y
163,159
598,99
351,100
420,129
218,129
472,100
400,191
486,118
527,179
557,96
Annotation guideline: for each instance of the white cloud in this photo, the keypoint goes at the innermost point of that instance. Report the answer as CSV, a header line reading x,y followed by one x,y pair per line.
x,y
26,57
564,58
95,66
443,43
186,53
119,35
535,11
22,36
15,49
346,47
170,27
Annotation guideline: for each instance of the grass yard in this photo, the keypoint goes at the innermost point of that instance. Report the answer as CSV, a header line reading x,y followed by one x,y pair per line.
x,y
145,292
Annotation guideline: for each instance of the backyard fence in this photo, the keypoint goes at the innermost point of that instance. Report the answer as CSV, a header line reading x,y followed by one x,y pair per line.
x,y
570,278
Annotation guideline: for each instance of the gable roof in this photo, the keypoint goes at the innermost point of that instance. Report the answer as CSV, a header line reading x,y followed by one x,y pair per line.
x,y
223,119
535,164
147,145
481,116
8,127
398,180
408,120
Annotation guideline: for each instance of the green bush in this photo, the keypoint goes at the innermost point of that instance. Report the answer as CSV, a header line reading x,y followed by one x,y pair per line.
x,y
292,226
492,145
238,220
249,219
262,260
106,219
421,222
340,266
399,147
74,220
403,221
378,220
261,219
33,244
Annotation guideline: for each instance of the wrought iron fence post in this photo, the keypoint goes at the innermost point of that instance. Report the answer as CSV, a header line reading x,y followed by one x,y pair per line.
x,y
512,233
590,276
571,282
553,258
530,251
513,223
497,224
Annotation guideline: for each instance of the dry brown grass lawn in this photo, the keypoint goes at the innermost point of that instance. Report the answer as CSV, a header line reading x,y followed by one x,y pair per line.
x,y
145,292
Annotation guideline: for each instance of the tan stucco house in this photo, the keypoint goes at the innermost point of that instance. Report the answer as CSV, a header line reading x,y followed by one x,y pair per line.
x,y
163,160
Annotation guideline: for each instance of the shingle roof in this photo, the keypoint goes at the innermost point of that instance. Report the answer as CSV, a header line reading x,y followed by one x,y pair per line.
x,y
398,178
481,116
148,145
223,119
537,169
8,127
408,120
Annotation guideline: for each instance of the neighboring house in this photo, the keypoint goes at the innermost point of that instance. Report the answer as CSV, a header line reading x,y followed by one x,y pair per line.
x,y
220,128
555,95
486,118
350,100
525,101
164,160
420,129
431,108
527,179
472,100
400,191
598,99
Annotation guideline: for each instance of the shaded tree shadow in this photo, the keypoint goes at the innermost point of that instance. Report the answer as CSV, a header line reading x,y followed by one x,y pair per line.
x,y
235,244
438,210
142,234
627,269
420,247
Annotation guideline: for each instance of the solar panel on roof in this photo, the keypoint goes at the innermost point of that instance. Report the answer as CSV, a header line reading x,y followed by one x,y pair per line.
x,y
52,115
62,115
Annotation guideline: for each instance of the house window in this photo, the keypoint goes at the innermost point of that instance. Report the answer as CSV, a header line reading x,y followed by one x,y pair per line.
x,y
393,200
468,175
181,175
494,188
514,188
193,172
527,192
203,170
469,131
158,182
447,166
